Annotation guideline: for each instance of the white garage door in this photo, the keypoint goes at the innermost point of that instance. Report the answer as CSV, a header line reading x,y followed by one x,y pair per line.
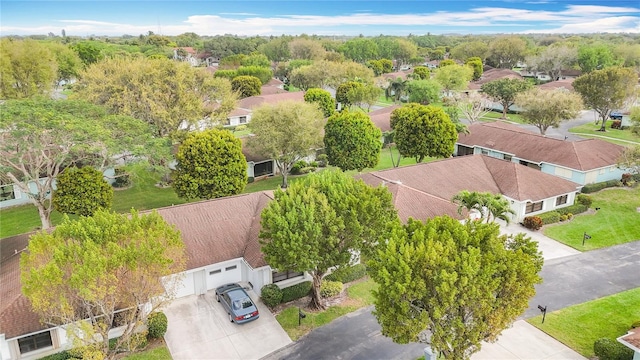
x,y
224,274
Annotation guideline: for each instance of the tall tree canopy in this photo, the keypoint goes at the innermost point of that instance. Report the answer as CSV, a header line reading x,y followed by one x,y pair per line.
x,y
472,106
548,108
28,68
475,63
320,220
454,77
352,141
505,52
323,99
164,93
287,131
460,283
505,91
595,57
470,49
246,85
630,160
92,267
607,89
423,130
38,138
210,165
82,191
553,60
424,91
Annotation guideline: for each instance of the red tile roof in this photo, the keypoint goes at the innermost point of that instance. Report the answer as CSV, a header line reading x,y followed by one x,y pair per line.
x,y
252,102
581,155
382,117
559,84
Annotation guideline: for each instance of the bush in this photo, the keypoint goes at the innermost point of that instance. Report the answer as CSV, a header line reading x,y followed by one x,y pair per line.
x,y
348,274
635,324
608,349
616,124
585,200
138,341
296,291
240,128
626,178
271,295
157,325
564,218
330,288
63,355
591,188
532,222
550,217
573,209
296,169
322,160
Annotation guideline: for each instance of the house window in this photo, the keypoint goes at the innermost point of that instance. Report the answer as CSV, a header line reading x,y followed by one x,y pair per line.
x,y
213,272
7,193
35,342
243,119
561,200
229,268
464,150
507,157
263,168
226,122
284,275
533,207
484,152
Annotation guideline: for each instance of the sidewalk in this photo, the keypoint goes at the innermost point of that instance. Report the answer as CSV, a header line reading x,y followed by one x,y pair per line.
x,y
550,248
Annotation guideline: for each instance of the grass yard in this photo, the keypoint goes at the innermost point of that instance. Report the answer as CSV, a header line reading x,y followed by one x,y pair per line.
x,y
579,326
159,353
591,130
617,221
495,115
359,295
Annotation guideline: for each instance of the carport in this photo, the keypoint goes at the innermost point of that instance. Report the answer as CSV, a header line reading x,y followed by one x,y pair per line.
x,y
199,328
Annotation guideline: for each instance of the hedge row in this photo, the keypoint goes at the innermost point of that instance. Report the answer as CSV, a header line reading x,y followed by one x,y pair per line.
x,y
272,295
609,349
590,188
348,274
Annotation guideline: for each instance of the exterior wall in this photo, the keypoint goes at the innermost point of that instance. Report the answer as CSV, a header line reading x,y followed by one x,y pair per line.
x,y
235,120
548,204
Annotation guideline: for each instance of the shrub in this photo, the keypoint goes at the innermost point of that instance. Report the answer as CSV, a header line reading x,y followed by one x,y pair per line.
x,y
569,216
296,169
157,325
550,217
240,128
296,291
608,349
322,160
138,341
626,178
616,124
313,164
348,274
585,200
63,355
635,324
590,188
330,288
271,295
573,209
532,222
564,218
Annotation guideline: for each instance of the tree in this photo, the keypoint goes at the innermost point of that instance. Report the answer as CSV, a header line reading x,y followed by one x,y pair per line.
x,y
263,73
93,267
320,221
453,285
277,49
421,73
68,61
256,59
38,138
505,52
28,69
486,203
421,131
246,85
405,51
606,90
424,91
301,48
210,165
454,77
360,49
396,89
287,132
81,191
634,115
553,60
323,99
476,64
548,108
470,49
166,94
473,106
364,96
630,160
352,141
595,57
505,91
90,52
342,92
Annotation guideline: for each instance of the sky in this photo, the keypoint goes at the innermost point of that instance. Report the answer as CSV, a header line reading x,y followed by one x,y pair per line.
x,y
328,17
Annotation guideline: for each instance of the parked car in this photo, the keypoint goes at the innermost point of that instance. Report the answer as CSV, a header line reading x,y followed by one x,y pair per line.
x,y
615,115
237,302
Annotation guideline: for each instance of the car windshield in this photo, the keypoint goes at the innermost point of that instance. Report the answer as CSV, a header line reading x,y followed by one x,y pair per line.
x,y
242,304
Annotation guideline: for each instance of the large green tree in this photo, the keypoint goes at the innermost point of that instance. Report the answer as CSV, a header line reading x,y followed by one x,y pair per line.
x,y
246,86
82,191
287,132
323,99
263,73
548,108
553,60
360,49
423,130
504,91
352,141
210,165
506,51
476,64
424,91
69,63
93,267
595,57
27,67
452,285
166,94
607,89
454,77
38,138
470,49
320,221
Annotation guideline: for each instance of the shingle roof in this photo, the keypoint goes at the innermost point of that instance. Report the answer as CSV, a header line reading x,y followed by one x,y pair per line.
x,y
492,75
382,117
581,155
559,84
633,338
255,101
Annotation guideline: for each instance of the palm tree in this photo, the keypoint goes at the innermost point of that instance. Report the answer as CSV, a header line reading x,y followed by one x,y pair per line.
x,y
499,207
495,206
395,89
468,200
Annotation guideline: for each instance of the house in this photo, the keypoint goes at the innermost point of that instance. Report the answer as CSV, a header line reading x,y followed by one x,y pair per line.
x,y
425,190
242,113
186,54
632,341
493,74
221,241
258,166
583,161
382,117
558,84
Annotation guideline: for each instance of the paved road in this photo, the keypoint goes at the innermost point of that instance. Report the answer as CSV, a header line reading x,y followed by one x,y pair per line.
x,y
567,281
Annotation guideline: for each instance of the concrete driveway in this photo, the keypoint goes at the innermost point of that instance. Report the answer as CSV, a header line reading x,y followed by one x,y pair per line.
x,y
199,328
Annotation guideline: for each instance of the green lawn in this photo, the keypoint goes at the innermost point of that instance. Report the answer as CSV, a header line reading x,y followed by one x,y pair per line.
x,y
579,326
617,221
359,295
591,130
495,115
159,353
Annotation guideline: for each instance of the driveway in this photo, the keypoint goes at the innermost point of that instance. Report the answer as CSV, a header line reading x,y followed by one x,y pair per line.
x,y
199,328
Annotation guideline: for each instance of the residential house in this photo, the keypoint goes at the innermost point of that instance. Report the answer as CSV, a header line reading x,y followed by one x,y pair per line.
x,y
583,161
242,113
186,54
221,241
425,190
558,84
258,166
632,341
493,74
382,117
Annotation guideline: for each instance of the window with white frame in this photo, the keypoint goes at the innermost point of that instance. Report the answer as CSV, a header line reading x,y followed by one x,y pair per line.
x,y
7,193
561,200
284,275
243,119
533,207
35,342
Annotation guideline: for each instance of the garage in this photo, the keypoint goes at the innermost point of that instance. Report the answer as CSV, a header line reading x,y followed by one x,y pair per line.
x,y
199,328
